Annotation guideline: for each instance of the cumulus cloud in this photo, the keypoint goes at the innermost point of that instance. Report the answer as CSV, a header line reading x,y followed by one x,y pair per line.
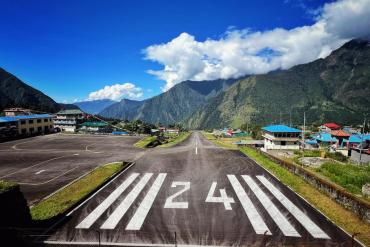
x,y
242,52
149,90
115,92
75,100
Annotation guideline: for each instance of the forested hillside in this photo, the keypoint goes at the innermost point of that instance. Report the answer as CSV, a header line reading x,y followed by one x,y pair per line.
x,y
334,89
120,109
178,102
14,92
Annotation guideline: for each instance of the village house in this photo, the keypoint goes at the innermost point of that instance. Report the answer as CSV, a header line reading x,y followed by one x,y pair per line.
x,y
326,127
281,137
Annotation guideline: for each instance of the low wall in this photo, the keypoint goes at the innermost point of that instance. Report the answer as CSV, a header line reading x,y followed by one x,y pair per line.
x,y
341,196
13,207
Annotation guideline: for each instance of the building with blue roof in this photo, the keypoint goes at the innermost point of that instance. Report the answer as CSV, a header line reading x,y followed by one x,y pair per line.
x,y
8,126
281,137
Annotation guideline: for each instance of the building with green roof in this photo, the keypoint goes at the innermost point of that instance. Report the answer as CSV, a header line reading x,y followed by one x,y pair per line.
x,y
93,127
68,120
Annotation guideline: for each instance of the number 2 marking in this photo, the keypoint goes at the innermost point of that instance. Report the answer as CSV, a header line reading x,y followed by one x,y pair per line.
x,y
223,198
169,202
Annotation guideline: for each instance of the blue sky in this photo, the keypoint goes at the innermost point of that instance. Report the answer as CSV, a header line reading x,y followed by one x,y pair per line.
x,y
69,49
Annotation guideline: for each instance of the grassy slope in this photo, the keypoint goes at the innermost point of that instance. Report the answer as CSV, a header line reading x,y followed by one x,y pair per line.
x,y
68,196
144,142
225,142
174,141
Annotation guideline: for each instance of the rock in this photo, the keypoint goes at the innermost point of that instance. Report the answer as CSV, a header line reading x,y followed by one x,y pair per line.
x,y
366,190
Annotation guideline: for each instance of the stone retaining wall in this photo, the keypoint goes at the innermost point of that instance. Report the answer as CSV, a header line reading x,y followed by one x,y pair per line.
x,y
341,196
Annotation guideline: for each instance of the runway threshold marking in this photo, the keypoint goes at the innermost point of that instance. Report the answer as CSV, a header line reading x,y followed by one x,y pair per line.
x,y
271,209
38,164
94,215
120,211
311,227
138,219
257,222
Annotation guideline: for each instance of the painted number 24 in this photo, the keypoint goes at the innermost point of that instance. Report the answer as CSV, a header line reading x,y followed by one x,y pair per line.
x,y
210,198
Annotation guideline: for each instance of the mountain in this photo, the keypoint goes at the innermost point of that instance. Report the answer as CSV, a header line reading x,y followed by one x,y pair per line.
x,y
14,91
120,109
69,106
178,102
334,89
94,106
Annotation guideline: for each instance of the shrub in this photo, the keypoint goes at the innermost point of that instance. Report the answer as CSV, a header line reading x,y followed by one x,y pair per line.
x,y
297,152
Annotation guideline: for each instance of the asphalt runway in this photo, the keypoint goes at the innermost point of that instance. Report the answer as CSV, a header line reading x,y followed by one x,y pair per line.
x,y
44,164
208,195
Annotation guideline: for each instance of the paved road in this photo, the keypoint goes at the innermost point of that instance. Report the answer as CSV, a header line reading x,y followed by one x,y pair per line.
x,y
206,194
43,164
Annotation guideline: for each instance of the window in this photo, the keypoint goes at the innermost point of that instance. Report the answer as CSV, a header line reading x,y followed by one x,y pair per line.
x,y
50,120
283,143
38,120
45,120
51,126
30,121
23,122
295,143
32,130
24,130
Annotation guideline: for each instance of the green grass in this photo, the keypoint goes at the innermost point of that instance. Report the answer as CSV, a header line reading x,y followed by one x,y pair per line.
x,y
337,214
226,142
174,141
68,196
7,186
349,176
144,142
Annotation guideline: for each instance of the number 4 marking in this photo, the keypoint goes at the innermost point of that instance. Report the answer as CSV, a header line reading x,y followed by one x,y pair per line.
x,y
170,204
223,198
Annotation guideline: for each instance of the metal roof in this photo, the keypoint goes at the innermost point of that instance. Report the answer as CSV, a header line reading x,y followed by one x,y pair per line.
x,y
93,124
8,119
324,137
33,116
70,112
280,128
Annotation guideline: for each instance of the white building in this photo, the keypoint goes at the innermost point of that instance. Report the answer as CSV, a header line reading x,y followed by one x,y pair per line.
x,y
94,127
281,137
326,127
68,120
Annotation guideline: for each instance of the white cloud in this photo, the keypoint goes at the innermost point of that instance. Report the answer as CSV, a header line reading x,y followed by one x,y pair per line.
x,y
241,52
115,92
149,90
64,101
75,100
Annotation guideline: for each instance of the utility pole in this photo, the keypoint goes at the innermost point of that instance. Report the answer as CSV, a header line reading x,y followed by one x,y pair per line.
x,y
362,139
304,123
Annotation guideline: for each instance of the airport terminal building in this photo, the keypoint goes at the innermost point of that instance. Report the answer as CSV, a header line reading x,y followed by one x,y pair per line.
x,y
15,125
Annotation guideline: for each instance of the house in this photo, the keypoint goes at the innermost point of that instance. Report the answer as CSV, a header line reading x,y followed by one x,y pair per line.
x,y
281,137
69,120
93,127
35,123
173,131
155,132
328,127
162,129
16,112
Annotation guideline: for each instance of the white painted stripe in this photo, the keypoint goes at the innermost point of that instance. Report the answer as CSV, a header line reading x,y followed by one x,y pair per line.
x,y
39,172
122,244
311,227
196,150
255,219
114,218
138,219
275,214
94,215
